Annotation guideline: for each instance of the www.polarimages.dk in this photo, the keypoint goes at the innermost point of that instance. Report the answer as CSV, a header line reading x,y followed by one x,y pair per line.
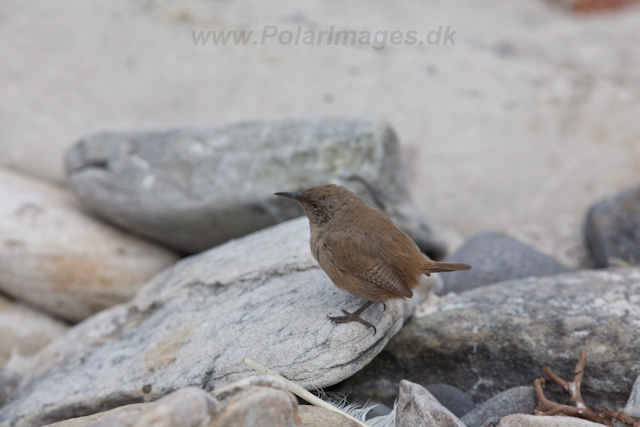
x,y
299,37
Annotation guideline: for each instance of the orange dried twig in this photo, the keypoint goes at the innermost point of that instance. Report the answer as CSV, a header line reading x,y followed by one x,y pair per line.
x,y
580,410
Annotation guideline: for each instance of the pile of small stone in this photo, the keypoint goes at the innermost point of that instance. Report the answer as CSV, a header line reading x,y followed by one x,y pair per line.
x,y
159,339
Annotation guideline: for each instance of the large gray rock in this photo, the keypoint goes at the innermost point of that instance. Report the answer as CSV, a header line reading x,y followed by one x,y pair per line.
x,y
195,188
252,402
613,229
263,297
63,261
633,404
500,336
418,408
496,257
516,400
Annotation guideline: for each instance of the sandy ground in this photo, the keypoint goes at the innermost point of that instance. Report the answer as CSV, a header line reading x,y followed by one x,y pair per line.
x,y
529,118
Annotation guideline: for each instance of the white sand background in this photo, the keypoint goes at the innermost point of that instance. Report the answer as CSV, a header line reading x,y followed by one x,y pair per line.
x,y
528,119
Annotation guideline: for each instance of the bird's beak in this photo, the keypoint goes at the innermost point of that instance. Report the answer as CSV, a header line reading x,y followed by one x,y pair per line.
x,y
289,195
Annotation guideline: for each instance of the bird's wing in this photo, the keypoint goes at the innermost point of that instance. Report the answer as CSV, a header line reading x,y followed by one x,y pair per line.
x,y
359,257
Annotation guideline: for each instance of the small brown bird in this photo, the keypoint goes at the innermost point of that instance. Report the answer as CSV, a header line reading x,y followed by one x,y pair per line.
x,y
361,249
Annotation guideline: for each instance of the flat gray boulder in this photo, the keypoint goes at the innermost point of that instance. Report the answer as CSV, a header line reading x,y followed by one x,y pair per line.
x,y
263,297
500,336
194,188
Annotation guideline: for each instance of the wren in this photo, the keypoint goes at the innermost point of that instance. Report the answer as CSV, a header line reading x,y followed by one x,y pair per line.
x,y
361,249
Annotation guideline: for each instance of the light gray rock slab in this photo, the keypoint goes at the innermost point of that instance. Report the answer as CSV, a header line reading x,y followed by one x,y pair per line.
x,y
500,336
496,257
418,408
519,420
516,400
262,297
194,188
60,259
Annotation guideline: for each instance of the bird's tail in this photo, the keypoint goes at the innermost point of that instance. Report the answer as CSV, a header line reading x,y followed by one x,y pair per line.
x,y
442,267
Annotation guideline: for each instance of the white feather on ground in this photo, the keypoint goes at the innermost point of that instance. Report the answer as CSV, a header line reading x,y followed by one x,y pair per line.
x,y
388,420
339,401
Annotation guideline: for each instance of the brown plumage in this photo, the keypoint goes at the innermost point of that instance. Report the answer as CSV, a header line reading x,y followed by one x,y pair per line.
x,y
361,249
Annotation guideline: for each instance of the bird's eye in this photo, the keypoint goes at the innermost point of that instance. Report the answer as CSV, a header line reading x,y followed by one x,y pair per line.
x,y
315,205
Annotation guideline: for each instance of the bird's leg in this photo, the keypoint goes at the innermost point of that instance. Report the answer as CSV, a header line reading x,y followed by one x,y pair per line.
x,y
355,317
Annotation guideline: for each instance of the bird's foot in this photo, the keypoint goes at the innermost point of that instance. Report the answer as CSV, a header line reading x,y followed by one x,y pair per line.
x,y
354,317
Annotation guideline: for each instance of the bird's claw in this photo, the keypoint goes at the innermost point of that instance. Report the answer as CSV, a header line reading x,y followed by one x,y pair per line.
x,y
352,317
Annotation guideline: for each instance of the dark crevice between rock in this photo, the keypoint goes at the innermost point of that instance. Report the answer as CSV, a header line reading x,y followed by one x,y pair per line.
x,y
98,164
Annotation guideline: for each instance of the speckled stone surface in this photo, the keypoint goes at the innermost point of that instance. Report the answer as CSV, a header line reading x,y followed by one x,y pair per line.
x,y
500,336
